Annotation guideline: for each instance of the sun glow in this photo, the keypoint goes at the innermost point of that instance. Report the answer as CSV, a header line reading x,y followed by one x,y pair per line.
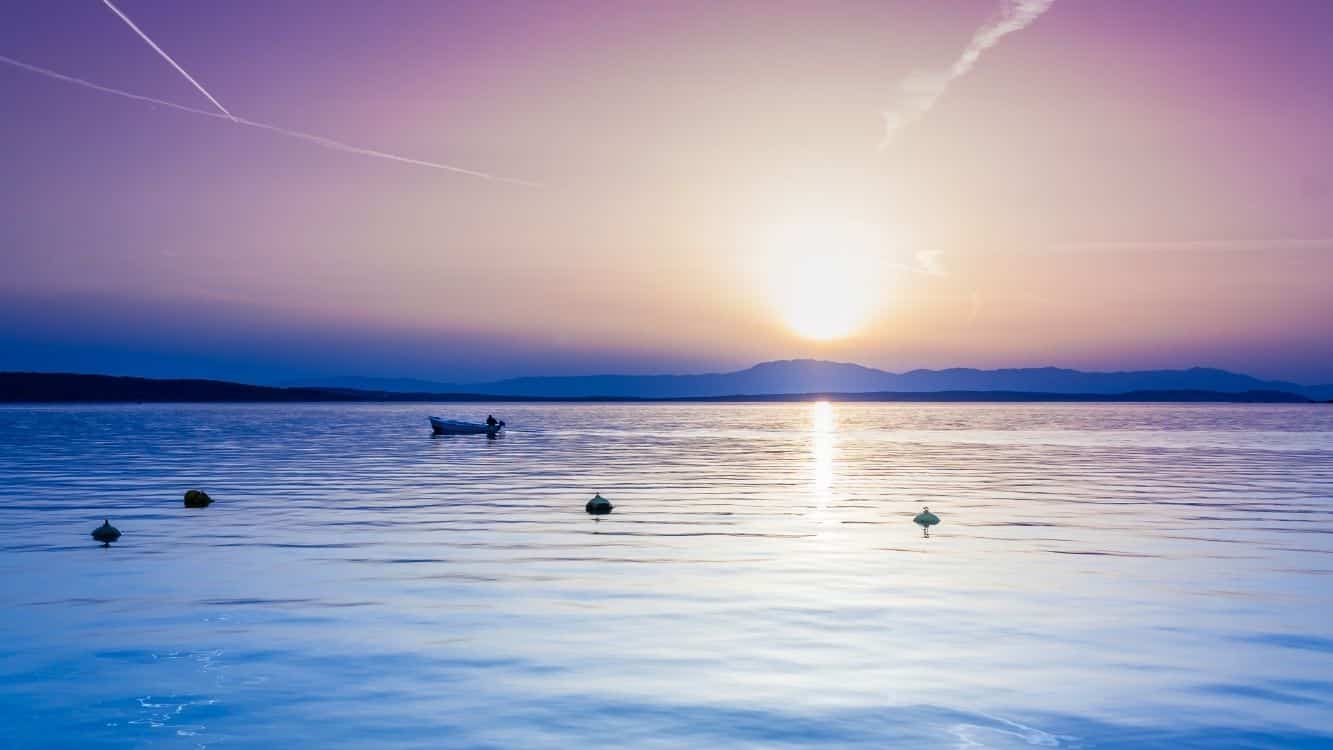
x,y
824,279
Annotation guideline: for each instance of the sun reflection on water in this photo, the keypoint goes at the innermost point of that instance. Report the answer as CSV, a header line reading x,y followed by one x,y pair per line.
x,y
823,421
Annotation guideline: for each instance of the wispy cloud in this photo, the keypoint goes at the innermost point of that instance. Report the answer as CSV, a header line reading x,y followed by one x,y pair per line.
x,y
928,262
167,57
1244,245
924,262
918,92
318,140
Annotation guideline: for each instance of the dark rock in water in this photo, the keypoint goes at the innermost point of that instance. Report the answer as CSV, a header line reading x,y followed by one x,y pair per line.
x,y
926,518
106,533
598,506
197,499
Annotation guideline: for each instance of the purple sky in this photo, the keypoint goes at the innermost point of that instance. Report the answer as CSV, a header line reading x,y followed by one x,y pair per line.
x,y
1119,185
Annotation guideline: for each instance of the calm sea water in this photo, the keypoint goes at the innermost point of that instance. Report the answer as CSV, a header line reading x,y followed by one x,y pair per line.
x,y
1108,576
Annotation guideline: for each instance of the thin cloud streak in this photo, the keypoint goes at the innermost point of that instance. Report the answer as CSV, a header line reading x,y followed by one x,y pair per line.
x,y
167,57
920,91
1280,243
318,140
927,264
928,261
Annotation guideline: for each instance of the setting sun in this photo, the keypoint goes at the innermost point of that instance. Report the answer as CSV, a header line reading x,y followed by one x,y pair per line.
x,y
825,279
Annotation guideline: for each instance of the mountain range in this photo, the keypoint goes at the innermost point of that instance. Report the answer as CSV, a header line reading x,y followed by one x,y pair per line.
x,y
805,376
54,387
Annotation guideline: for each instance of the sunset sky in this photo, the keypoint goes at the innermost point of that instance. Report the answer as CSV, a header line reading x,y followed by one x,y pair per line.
x,y
693,186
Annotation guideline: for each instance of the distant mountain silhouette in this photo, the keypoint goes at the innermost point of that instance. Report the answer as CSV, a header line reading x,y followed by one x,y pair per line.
x,y
1319,392
816,376
59,387
36,387
71,387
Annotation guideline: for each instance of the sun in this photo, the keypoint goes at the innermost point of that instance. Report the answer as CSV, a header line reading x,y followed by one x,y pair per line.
x,y
824,279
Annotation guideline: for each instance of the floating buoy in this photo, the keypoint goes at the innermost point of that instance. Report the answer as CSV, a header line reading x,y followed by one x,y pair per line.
x,y
598,505
106,533
925,519
197,499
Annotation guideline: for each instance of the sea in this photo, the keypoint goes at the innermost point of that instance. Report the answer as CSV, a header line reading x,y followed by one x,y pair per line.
x,y
1102,576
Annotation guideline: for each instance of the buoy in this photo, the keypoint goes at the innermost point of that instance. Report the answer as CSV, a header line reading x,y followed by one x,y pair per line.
x,y
197,499
925,519
598,505
106,533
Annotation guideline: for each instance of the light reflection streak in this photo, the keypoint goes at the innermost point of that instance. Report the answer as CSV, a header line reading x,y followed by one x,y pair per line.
x,y
823,423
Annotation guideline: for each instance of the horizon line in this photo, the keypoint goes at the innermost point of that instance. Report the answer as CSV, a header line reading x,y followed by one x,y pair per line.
x,y
227,392
307,381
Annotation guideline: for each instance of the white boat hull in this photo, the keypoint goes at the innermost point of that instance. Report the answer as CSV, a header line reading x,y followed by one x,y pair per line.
x,y
455,427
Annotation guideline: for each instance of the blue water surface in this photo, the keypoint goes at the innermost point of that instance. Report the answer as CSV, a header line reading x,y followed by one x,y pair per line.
x,y
1105,576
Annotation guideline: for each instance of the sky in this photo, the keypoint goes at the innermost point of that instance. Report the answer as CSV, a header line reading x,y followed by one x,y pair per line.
x,y
665,187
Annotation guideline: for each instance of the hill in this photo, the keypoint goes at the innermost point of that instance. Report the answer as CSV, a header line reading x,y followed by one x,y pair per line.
x,y
816,376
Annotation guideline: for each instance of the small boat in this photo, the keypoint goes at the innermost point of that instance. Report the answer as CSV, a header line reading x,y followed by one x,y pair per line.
x,y
455,427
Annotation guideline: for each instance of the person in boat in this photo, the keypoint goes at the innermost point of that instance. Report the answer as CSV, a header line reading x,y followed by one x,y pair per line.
x,y
491,421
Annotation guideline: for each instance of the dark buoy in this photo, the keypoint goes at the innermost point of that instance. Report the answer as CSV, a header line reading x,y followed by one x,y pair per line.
x,y
106,533
925,519
598,505
197,499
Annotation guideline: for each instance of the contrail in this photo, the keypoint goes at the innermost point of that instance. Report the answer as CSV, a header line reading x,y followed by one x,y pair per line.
x,y
919,92
167,57
310,137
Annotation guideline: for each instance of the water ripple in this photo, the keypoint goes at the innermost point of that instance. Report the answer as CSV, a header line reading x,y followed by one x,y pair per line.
x,y
1109,576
